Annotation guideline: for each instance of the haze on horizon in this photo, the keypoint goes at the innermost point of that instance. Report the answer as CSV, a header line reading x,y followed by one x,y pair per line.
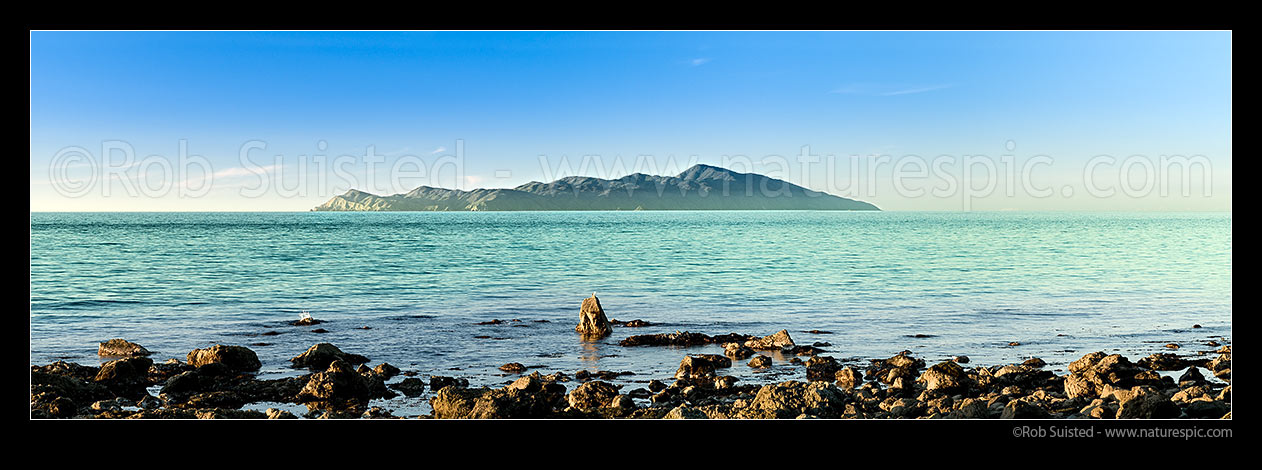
x,y
515,107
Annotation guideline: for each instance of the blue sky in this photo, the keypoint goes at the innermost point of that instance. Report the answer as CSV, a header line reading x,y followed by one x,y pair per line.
x,y
712,97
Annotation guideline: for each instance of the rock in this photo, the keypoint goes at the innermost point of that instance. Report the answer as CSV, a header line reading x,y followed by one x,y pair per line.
x,y
149,402
591,395
1147,403
1024,408
969,408
779,340
848,378
1092,373
1206,409
695,367
217,399
724,382
319,356
946,377
1163,361
438,382
1034,362
386,371
1191,377
306,321
119,347
1221,365
528,397
592,322
656,386
135,369
960,359
127,377
822,368
377,412
737,351
237,358
760,362
1014,343
685,412
1173,346
901,408
220,413
1099,409
513,367
114,404
273,413
339,386
793,398
410,387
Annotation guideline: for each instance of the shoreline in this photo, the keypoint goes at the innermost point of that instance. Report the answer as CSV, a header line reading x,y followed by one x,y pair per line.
x,y
222,382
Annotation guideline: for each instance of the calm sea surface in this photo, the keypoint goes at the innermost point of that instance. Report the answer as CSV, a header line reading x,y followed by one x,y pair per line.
x,y
1060,284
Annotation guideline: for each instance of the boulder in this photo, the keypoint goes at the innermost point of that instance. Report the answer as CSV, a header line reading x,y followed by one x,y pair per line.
x,y
126,377
592,323
737,351
779,340
339,386
791,399
685,412
848,378
386,371
591,395
1024,408
760,362
695,367
946,377
236,358
1191,377
528,397
822,368
1147,403
119,347
1163,361
319,357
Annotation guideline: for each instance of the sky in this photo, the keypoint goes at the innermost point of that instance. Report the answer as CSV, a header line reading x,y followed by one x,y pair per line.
x,y
282,121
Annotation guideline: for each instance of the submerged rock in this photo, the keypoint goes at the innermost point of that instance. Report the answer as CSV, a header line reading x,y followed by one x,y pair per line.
x,y
119,347
410,387
592,322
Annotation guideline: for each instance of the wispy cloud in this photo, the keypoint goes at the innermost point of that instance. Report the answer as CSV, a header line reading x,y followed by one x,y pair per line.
x,y
439,149
912,91
699,61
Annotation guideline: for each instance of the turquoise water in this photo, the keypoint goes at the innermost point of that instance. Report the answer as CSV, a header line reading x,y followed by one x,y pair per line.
x,y
1061,284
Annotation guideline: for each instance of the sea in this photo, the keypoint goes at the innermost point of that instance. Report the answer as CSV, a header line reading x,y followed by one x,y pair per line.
x,y
410,288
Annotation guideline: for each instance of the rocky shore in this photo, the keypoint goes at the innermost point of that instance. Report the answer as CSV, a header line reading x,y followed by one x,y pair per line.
x,y
220,381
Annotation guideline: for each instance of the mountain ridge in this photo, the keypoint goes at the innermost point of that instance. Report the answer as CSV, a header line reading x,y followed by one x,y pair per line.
x,y
700,187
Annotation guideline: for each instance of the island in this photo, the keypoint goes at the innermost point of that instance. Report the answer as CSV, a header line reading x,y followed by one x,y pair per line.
x,y
701,187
